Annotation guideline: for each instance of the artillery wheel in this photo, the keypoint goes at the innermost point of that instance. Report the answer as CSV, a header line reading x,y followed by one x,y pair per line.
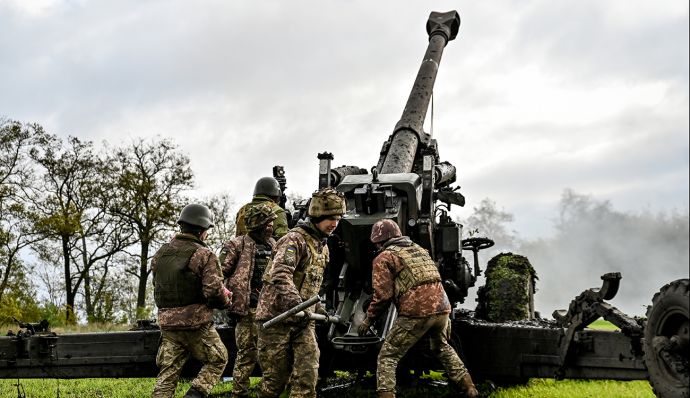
x,y
666,340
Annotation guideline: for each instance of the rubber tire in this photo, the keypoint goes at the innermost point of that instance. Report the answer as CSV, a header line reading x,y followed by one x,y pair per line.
x,y
668,315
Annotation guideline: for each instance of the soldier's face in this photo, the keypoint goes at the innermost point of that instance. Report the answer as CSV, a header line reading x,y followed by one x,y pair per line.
x,y
328,225
268,229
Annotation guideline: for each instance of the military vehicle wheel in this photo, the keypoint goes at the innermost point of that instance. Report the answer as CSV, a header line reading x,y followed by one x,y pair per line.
x,y
666,340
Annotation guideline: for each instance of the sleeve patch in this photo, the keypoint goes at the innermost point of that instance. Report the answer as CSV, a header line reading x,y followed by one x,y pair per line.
x,y
290,256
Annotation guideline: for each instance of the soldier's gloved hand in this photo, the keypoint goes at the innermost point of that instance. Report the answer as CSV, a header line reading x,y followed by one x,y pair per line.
x,y
364,327
320,309
304,321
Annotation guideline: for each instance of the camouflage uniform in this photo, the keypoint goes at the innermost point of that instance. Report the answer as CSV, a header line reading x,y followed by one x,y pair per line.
x,y
186,328
244,262
405,274
280,225
289,350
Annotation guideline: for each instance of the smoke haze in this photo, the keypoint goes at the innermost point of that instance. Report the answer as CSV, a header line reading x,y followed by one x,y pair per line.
x,y
593,238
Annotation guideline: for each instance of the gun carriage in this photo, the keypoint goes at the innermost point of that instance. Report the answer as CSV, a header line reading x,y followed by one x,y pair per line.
x,y
411,185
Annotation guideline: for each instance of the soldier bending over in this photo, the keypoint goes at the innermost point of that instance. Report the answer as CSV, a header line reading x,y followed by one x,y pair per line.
x,y
405,274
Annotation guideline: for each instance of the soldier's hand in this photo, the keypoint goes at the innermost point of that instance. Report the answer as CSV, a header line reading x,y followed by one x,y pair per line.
x,y
228,295
363,327
320,310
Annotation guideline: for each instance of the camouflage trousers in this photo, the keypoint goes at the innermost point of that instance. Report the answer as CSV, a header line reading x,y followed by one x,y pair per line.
x,y
403,335
246,336
176,348
288,352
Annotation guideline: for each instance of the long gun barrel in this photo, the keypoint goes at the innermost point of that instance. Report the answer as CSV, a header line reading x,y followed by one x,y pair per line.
x,y
292,311
442,28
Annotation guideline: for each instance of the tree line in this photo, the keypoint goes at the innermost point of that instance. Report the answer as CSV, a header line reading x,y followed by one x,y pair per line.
x,y
85,221
79,223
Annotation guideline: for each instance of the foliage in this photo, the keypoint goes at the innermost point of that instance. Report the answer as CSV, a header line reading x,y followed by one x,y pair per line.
x,y
506,294
150,177
16,178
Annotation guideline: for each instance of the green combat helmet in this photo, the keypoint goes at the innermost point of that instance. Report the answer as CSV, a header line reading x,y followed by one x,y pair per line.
x,y
258,216
196,215
327,202
268,186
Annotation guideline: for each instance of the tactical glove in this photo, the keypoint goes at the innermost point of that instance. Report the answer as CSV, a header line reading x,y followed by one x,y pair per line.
x,y
363,327
319,309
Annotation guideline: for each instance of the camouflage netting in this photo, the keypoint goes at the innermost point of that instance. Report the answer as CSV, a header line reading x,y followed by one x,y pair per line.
x,y
508,294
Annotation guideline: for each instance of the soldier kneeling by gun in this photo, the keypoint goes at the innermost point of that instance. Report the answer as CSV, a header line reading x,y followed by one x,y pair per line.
x,y
404,273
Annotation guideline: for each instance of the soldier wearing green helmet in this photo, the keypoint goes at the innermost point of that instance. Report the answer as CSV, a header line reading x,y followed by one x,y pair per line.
x,y
188,285
243,260
289,351
266,191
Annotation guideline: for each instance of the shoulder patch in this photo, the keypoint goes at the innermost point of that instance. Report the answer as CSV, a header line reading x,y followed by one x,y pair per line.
x,y
290,255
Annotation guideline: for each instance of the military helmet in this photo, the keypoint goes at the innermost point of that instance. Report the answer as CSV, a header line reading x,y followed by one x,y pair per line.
x,y
267,186
383,230
327,202
196,215
258,216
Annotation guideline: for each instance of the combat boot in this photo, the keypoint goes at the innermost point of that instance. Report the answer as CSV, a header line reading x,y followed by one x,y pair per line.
x,y
386,394
194,393
467,386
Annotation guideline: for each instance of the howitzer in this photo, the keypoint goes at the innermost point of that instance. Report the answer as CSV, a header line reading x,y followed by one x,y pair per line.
x,y
411,185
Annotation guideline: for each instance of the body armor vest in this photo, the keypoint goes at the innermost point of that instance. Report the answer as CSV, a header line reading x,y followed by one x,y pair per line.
x,y
419,268
175,285
308,278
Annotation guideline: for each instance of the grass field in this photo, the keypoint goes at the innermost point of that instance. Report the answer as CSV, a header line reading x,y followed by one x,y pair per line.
x,y
133,388
129,388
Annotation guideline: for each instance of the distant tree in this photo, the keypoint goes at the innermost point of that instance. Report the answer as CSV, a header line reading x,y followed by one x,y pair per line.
x,y
488,221
100,239
70,180
16,177
223,207
593,238
150,178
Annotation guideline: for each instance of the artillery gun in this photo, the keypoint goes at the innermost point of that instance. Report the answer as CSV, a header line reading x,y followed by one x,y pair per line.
x,y
411,185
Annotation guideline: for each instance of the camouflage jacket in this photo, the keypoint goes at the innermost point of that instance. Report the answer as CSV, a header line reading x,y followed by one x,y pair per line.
x,y
237,261
419,301
280,225
295,273
203,263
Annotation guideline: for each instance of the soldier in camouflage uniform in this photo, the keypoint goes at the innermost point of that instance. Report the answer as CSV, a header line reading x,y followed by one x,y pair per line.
x,y
289,350
266,191
244,260
404,274
188,284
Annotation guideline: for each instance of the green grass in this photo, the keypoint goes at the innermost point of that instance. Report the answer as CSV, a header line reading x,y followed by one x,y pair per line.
x,y
602,325
577,388
132,388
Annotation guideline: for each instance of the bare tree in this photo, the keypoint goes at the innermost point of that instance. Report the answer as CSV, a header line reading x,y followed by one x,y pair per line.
x,y
70,179
16,176
150,177
489,221
223,207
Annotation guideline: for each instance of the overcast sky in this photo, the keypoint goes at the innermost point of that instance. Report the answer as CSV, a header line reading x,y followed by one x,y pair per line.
x,y
533,97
